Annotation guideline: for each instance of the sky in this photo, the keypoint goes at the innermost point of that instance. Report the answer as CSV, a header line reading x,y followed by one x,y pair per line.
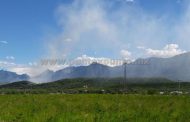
x,y
33,30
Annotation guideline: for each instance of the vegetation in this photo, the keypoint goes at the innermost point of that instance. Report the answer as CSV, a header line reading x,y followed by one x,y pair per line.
x,y
98,85
94,108
95,100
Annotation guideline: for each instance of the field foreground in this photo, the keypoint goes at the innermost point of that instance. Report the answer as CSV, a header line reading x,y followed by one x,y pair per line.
x,y
94,108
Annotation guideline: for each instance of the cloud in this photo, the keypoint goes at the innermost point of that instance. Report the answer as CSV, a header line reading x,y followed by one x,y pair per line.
x,y
85,60
6,64
168,51
32,68
68,40
83,23
140,47
10,57
182,28
4,42
100,26
32,71
129,0
88,26
125,54
35,68
21,68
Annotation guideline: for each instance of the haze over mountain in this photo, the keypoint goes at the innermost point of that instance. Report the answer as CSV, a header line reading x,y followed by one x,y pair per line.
x,y
174,68
43,77
6,76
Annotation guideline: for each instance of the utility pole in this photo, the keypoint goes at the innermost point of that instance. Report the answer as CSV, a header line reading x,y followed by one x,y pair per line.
x,y
125,75
179,85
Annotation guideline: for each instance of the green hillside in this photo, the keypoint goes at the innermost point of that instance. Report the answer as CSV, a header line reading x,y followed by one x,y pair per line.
x,y
98,85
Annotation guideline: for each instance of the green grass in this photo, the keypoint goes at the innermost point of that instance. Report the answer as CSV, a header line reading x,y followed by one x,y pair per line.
x,y
94,108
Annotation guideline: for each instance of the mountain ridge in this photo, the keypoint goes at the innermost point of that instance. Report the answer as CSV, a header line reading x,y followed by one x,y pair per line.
x,y
7,76
174,68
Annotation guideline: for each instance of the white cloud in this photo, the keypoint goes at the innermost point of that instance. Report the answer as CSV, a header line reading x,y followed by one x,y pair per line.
x,y
35,68
23,69
20,68
68,40
32,63
125,54
83,23
4,42
89,26
85,60
140,47
129,0
6,64
10,57
168,51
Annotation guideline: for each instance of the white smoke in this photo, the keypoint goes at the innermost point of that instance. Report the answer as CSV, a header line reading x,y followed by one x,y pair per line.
x,y
96,26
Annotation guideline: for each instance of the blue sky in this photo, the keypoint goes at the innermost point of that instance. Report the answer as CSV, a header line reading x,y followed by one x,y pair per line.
x,y
33,29
23,24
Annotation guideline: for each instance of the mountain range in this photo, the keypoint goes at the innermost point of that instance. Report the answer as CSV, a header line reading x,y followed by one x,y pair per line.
x,y
7,76
174,68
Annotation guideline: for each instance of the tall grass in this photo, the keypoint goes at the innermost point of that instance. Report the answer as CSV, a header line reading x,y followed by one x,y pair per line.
x,y
94,108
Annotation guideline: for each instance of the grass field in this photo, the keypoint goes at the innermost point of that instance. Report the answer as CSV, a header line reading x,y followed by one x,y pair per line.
x,y
94,108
